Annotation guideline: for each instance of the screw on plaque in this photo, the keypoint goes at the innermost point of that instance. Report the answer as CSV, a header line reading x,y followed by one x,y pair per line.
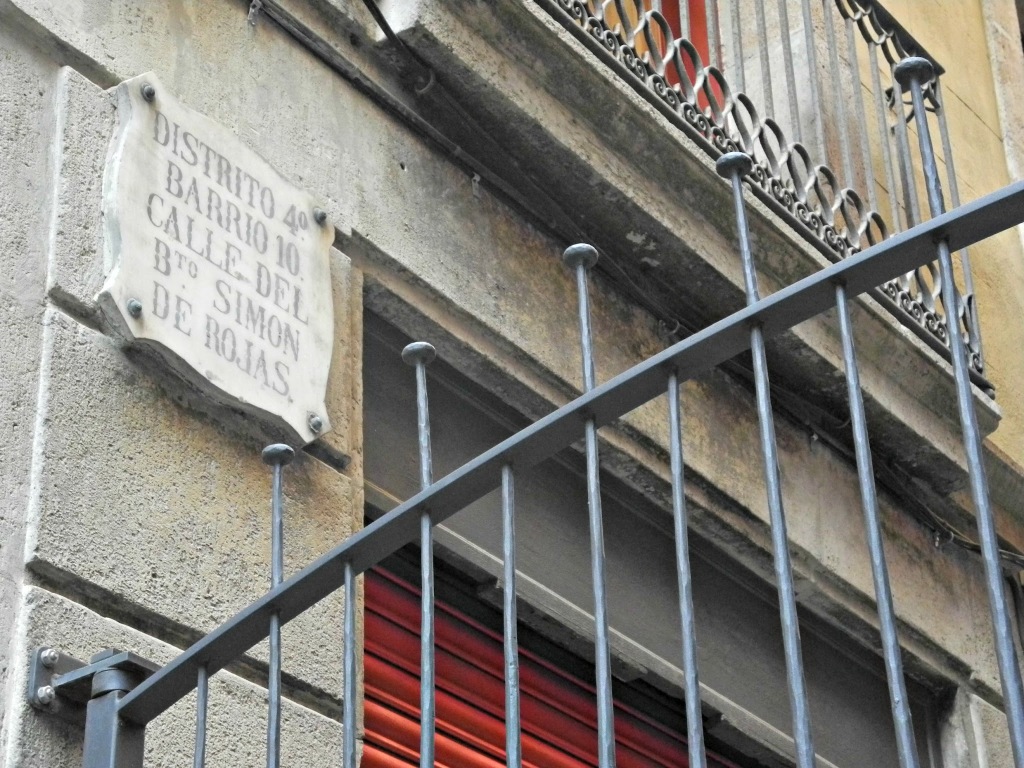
x,y
148,92
320,216
134,307
315,422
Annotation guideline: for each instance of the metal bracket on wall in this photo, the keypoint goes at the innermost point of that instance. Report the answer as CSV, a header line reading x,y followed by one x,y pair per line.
x,y
62,685
254,12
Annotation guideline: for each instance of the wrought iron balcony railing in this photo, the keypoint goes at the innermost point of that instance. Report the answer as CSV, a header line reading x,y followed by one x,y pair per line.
x,y
822,72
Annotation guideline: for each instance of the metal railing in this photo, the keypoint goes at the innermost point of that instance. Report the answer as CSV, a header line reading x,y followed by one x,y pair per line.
x,y
863,128
123,693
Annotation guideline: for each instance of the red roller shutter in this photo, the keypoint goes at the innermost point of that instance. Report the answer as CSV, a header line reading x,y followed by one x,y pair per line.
x,y
559,721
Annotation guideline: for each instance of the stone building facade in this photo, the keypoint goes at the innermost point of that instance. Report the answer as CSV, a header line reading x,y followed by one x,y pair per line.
x,y
455,160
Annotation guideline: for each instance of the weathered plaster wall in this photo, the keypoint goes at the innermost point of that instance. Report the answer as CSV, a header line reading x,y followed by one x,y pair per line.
x,y
971,38
27,81
134,515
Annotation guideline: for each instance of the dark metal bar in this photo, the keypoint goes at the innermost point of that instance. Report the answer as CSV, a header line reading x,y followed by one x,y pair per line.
x,y
513,735
110,742
349,671
691,680
913,73
733,166
689,358
277,456
420,354
602,651
427,685
202,704
274,694
898,699
580,258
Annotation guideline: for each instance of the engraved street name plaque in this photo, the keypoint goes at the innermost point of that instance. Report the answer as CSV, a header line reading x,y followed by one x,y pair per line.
x,y
216,263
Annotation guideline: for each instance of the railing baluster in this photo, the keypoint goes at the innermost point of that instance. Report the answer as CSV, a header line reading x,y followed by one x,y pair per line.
x,y
839,98
954,188
691,680
274,693
914,72
911,204
795,130
711,17
420,354
814,112
276,456
857,102
766,67
970,301
736,40
349,671
898,699
684,20
580,258
734,166
513,737
882,123
202,704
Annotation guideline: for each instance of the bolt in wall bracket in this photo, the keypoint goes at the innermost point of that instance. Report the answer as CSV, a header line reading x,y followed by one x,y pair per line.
x,y
62,685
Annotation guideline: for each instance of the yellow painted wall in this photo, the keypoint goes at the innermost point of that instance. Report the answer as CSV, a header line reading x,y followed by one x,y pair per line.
x,y
955,33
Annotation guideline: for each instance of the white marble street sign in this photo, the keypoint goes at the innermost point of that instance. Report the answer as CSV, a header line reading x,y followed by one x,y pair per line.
x,y
216,263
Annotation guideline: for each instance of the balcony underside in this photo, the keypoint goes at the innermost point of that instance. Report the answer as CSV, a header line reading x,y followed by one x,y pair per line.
x,y
608,167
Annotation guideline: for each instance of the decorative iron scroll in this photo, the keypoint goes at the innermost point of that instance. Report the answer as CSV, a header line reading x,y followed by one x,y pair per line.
x,y
820,207
875,30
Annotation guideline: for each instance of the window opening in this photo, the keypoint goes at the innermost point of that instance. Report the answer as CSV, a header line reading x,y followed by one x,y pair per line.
x,y
558,707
